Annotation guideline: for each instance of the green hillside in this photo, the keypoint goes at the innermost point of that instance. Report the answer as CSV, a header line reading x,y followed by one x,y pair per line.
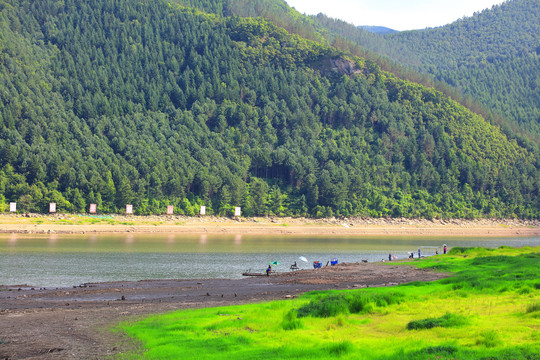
x,y
418,56
492,57
155,103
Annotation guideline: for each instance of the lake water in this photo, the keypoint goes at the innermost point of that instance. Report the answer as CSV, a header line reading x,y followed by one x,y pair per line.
x,y
69,260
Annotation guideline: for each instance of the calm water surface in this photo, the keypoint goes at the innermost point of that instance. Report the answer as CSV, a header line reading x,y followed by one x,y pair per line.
x,y
68,260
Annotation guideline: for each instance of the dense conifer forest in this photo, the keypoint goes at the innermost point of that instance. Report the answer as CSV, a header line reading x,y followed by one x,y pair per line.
x,y
492,57
184,103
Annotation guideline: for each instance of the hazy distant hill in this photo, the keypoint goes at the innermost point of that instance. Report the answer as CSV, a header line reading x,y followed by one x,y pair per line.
x,y
378,29
153,103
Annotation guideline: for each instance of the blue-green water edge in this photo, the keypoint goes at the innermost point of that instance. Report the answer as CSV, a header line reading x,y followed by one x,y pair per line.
x,y
69,260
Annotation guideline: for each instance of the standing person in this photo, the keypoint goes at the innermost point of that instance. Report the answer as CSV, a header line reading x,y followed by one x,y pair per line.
x,y
419,253
389,257
268,270
444,249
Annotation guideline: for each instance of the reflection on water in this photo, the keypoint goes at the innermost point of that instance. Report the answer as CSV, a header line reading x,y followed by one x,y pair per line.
x,y
93,239
53,239
66,260
238,239
12,239
203,239
130,239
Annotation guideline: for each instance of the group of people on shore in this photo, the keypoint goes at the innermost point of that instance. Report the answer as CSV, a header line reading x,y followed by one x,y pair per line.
x,y
390,258
411,254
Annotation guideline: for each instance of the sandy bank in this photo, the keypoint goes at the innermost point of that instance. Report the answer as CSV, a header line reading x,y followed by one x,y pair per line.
x,y
82,224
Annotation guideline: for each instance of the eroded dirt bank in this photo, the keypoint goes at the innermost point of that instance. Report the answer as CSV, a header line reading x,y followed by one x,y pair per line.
x,y
73,323
86,224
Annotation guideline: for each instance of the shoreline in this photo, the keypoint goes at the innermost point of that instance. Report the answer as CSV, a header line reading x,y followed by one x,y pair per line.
x,y
177,224
72,323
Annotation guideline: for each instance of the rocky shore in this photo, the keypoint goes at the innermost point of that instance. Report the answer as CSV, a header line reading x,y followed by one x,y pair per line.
x,y
81,224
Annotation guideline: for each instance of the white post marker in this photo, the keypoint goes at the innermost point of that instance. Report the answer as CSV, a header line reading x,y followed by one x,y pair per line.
x,y
170,210
237,211
13,207
52,207
93,208
129,209
203,210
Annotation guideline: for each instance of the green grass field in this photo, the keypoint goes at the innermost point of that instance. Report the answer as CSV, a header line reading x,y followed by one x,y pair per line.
x,y
488,309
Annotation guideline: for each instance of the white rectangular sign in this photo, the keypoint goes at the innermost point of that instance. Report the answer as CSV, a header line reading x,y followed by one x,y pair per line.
x,y
237,211
129,209
13,207
170,210
52,207
203,210
93,208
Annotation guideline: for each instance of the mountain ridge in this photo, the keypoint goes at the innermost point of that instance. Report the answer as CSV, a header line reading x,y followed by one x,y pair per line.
x,y
153,104
491,56
388,54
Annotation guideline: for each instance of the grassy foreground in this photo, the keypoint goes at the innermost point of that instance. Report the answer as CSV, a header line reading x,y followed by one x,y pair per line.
x,y
488,309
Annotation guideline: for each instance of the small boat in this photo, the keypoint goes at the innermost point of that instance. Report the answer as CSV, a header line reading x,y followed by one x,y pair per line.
x,y
250,273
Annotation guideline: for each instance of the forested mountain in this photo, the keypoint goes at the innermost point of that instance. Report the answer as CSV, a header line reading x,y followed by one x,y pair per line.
x,y
493,56
418,60
152,103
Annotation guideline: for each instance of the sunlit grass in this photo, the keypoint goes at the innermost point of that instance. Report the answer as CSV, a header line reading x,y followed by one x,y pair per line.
x,y
489,308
